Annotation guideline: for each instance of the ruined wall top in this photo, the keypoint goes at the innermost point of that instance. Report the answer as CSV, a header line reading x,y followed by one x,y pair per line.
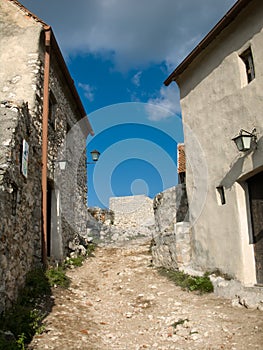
x,y
132,210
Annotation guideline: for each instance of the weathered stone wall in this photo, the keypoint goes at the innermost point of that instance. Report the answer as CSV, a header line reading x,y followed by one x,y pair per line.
x,y
128,218
20,201
171,246
19,55
102,215
66,141
20,222
132,211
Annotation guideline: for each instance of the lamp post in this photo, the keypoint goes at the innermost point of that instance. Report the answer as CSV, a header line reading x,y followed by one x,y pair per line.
x,y
244,140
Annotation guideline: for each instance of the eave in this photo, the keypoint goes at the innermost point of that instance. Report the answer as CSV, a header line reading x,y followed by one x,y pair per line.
x,y
217,29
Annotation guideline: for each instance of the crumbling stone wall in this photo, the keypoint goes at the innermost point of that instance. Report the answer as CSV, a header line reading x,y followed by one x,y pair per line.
x,y
67,141
102,215
132,211
128,218
20,201
171,245
20,222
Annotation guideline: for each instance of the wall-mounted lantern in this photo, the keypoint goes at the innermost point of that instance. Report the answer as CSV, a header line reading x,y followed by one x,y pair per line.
x,y
245,139
95,156
61,163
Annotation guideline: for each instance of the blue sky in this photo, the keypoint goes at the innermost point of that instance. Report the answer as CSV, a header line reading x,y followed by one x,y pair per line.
x,y
119,52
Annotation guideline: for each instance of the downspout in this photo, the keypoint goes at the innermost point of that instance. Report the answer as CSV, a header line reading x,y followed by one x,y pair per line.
x,y
45,142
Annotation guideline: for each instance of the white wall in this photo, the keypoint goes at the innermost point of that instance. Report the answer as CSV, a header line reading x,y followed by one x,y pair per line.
x,y
216,104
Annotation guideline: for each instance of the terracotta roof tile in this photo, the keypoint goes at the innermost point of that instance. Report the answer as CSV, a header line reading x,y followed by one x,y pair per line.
x,y
180,158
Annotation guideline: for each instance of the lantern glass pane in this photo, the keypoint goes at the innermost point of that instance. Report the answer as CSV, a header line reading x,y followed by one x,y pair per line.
x,y
239,143
246,142
95,155
62,164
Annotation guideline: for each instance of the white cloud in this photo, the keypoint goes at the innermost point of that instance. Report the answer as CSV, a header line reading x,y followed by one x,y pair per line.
x,y
136,79
135,33
166,105
88,91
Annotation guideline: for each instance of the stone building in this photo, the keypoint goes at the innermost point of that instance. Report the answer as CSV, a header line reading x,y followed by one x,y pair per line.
x,y
42,122
221,92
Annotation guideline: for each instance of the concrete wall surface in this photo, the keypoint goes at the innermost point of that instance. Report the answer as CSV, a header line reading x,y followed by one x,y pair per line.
x,y
217,101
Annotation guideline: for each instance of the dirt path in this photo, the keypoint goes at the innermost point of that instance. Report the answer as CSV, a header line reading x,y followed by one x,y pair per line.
x,y
117,301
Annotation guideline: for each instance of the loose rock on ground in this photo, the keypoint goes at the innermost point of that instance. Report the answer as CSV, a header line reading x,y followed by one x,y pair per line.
x,y
118,301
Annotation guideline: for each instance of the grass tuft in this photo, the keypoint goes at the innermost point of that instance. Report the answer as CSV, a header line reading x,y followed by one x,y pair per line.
x,y
202,284
57,277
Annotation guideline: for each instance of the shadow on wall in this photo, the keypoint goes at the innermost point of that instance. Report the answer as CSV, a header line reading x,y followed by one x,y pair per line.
x,y
237,168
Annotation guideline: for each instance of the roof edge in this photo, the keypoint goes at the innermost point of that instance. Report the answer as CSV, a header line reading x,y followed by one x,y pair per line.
x,y
28,13
61,60
70,81
212,34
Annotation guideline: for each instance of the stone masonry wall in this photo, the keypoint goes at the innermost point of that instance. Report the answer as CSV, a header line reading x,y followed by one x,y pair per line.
x,y
20,223
67,141
20,201
171,246
132,211
128,218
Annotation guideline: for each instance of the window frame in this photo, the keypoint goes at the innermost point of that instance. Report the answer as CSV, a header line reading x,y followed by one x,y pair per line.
x,y
248,61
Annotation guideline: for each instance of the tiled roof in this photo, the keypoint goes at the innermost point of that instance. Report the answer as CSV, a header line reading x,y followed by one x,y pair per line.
x,y
180,158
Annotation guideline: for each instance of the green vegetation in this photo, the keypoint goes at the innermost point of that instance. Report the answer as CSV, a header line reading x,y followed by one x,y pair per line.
x,y
25,319
74,262
90,249
179,322
57,277
202,284
19,324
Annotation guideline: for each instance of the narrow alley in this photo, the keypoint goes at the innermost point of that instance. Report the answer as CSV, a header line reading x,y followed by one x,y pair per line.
x,y
118,301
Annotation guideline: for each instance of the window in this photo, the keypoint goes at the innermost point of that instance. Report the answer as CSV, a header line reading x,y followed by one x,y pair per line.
x,y
52,110
14,199
247,59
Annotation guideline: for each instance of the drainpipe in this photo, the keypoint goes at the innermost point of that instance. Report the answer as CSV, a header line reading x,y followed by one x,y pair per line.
x,y
45,142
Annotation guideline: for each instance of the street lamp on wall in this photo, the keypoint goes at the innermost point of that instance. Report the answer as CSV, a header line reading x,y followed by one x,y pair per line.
x,y
61,163
245,139
95,156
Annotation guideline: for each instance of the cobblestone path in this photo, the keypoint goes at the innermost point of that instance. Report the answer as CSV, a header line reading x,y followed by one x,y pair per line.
x,y
117,301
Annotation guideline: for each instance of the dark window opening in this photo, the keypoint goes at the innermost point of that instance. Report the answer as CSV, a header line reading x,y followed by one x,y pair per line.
x,y
181,178
247,58
52,110
14,199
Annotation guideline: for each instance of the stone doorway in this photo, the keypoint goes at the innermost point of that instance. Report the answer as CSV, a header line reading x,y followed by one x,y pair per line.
x,y
255,188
